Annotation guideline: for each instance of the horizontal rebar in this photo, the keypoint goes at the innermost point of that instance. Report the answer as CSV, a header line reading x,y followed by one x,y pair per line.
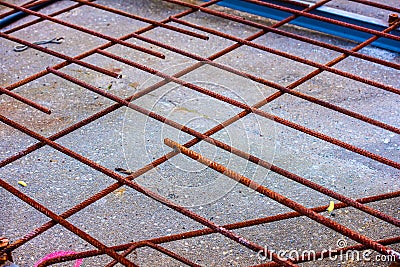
x,y
238,225
147,90
236,103
319,255
378,5
321,18
231,235
33,22
292,36
106,111
156,247
26,5
104,46
133,247
143,19
283,89
283,200
288,55
33,203
121,180
25,100
224,146
262,81
118,104
85,30
60,55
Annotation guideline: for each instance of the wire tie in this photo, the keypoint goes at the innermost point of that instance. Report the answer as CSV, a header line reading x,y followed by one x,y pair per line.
x,y
56,40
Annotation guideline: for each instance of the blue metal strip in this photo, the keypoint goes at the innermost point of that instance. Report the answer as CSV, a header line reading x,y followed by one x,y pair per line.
x,y
19,15
321,26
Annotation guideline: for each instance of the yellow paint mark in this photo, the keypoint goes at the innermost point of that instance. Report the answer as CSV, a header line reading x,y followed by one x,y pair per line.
x,y
190,111
331,206
22,183
134,85
120,192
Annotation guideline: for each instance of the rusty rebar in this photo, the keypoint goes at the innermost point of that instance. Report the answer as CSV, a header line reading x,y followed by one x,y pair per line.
x,y
229,234
262,81
290,35
60,55
283,200
304,258
143,19
378,5
33,22
190,131
288,55
213,141
158,248
85,30
104,46
236,103
25,100
238,225
322,18
165,81
59,219
132,248
149,89
27,4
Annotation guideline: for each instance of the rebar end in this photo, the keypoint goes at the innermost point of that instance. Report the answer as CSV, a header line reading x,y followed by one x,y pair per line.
x,y
4,257
393,18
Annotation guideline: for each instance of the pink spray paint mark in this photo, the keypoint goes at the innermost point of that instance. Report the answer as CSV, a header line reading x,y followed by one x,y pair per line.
x,y
56,254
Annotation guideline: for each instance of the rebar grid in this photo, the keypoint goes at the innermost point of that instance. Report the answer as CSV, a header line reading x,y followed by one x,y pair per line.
x,y
199,31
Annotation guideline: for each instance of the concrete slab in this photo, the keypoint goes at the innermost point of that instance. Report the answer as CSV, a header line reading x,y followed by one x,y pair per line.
x,y
130,140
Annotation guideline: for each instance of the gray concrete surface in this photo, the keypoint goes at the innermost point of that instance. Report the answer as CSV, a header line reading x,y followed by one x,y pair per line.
x,y
130,140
